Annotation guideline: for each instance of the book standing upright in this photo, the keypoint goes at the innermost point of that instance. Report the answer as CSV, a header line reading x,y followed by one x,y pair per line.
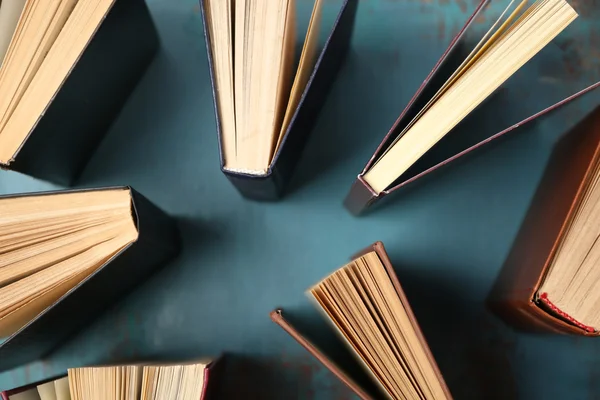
x,y
67,72
67,256
550,281
264,109
365,306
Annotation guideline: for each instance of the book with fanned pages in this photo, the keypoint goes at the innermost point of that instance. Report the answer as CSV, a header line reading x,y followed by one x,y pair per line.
x,y
65,256
432,130
265,108
195,380
551,279
366,307
67,68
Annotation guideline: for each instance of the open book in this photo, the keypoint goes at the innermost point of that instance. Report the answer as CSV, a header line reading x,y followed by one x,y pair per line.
x,y
51,243
48,39
59,254
64,76
365,305
263,102
455,89
551,278
258,90
186,381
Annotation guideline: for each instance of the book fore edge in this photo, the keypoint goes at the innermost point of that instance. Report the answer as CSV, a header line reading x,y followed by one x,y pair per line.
x,y
546,301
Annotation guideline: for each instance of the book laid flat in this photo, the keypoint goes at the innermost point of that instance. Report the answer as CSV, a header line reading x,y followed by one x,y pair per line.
x,y
60,251
453,93
67,68
366,307
551,278
265,108
165,381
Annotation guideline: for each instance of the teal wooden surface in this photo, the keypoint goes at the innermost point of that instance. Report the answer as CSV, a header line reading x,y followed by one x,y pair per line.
x,y
447,237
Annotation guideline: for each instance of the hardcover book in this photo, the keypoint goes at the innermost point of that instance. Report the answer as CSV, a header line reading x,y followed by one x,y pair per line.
x,y
365,306
165,381
264,108
61,251
453,94
551,279
68,67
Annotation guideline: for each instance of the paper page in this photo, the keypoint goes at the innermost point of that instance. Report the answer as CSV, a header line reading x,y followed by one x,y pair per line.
x,y
47,391
31,394
10,12
305,68
61,388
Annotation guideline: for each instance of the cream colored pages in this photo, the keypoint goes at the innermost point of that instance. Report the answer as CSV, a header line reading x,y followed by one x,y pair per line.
x,y
31,259
54,27
47,391
305,68
285,78
492,35
363,306
80,26
262,78
538,25
220,20
31,394
572,282
20,64
24,299
10,11
61,387
52,242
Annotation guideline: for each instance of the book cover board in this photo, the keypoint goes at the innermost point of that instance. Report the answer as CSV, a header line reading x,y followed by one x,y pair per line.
x,y
514,296
91,97
355,379
271,185
158,241
361,196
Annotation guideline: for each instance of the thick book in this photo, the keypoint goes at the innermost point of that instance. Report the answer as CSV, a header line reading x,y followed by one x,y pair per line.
x,y
265,109
365,306
68,68
60,253
550,280
428,135
193,380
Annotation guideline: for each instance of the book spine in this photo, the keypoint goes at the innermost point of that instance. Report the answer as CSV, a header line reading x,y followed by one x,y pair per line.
x,y
360,197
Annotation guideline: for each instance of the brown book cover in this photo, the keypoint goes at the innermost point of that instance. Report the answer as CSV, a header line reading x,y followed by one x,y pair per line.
x,y
515,296
341,371
361,195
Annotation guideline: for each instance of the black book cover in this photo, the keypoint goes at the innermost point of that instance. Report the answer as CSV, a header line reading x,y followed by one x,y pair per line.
x,y
271,185
157,243
72,126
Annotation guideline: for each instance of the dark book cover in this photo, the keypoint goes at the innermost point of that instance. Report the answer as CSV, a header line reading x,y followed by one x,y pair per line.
x,y
158,242
74,123
271,185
